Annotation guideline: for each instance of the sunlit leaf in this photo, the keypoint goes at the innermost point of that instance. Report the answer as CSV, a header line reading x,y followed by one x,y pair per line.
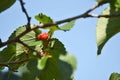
x,y
16,52
29,39
67,26
107,28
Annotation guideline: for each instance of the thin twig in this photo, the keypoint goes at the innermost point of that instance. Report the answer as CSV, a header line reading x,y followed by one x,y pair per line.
x,y
27,46
37,52
26,13
14,62
95,6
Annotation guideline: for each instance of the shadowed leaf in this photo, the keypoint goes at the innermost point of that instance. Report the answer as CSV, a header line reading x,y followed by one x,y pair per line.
x,y
107,28
5,4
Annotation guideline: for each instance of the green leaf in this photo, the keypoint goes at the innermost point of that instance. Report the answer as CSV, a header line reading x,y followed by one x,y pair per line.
x,y
55,69
59,67
55,48
107,28
5,4
7,53
67,26
114,76
70,59
115,4
16,52
46,19
43,18
27,76
32,66
42,63
29,39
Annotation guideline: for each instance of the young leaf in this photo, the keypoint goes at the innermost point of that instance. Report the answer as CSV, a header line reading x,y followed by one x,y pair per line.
x,y
114,76
43,18
5,4
107,28
29,39
67,26
46,19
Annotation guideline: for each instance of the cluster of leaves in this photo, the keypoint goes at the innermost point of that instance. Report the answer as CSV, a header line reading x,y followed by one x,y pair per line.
x,y
56,63
56,59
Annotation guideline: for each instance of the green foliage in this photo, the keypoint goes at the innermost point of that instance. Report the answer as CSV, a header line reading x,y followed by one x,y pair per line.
x,y
107,28
114,76
16,52
69,58
49,67
115,4
67,26
42,18
55,68
52,62
55,48
5,4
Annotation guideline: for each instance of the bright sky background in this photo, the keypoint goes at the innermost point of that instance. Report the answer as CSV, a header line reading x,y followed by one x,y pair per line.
x,y
80,41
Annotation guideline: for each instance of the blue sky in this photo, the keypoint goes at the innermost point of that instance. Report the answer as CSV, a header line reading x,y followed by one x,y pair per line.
x,y
80,41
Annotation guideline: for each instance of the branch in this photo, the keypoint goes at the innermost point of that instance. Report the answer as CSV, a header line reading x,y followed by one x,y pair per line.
x,y
38,52
7,64
84,15
27,46
14,62
95,6
27,16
